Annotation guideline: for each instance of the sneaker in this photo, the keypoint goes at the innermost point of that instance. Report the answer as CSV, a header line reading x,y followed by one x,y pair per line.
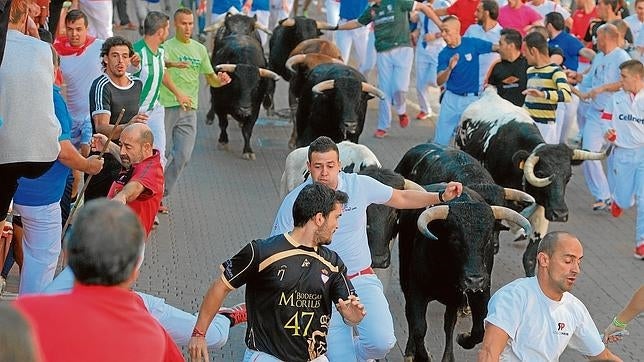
x,y
3,284
639,252
423,116
380,133
404,120
237,314
130,26
615,210
163,209
601,205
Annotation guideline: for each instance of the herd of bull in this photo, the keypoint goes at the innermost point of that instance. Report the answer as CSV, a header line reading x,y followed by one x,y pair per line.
x,y
326,97
508,172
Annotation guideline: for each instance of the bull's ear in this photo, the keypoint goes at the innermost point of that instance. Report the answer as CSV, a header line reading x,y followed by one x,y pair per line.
x,y
255,17
519,157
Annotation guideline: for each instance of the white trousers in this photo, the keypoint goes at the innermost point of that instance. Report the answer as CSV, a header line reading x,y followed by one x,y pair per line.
x,y
394,70
626,180
176,322
358,38
99,15
375,332
40,244
452,106
143,7
277,11
332,16
593,140
548,132
263,17
156,119
426,64
566,119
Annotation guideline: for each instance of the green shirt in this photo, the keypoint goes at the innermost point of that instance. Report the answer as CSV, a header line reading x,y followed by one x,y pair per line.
x,y
185,79
151,74
391,24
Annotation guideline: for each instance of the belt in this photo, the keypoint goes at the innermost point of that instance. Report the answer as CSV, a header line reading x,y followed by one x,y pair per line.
x,y
365,271
475,94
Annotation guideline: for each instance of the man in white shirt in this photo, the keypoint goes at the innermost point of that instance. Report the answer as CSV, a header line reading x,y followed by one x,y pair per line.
x,y
535,319
635,22
544,7
486,28
376,331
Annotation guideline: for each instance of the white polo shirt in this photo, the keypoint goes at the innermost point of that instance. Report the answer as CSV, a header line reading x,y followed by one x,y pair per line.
x,y
350,239
605,70
539,327
625,112
485,60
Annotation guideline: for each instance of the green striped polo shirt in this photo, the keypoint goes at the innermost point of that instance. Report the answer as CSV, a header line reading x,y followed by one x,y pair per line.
x,y
151,74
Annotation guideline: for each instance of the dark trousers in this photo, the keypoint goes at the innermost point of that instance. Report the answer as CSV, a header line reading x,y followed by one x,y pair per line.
x,y
9,175
121,8
99,185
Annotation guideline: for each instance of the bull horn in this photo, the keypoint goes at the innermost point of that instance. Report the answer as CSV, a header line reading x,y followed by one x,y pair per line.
x,y
288,22
366,87
411,185
503,213
323,85
261,27
433,213
517,195
323,25
292,61
214,26
581,155
229,68
528,172
265,73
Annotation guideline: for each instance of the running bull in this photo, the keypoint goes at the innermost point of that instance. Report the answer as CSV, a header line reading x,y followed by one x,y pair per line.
x,y
455,261
242,57
508,143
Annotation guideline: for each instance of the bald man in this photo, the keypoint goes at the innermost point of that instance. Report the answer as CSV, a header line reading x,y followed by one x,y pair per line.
x,y
140,182
543,303
457,62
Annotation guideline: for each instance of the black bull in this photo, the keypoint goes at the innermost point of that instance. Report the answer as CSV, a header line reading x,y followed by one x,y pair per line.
x,y
333,103
242,57
455,261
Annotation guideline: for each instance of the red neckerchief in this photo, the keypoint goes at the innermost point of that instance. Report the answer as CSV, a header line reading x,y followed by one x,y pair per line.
x,y
63,47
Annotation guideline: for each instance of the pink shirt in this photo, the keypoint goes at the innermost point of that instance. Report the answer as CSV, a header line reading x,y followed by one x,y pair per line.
x,y
518,18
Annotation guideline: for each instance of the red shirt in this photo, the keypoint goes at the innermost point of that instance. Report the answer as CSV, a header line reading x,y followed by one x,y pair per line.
x,y
97,323
580,23
148,173
464,10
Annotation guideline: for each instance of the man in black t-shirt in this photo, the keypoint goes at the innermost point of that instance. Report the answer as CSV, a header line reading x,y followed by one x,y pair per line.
x,y
112,91
291,281
509,75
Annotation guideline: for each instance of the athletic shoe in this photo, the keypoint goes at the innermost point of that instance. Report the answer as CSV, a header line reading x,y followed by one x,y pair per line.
x,y
3,284
615,210
163,209
639,252
404,120
380,133
601,205
423,116
237,314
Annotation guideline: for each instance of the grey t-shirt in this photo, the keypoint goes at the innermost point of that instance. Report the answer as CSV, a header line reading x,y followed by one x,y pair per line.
x,y
30,130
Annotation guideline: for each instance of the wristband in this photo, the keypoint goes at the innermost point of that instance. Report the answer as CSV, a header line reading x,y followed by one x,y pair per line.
x,y
440,196
197,333
619,324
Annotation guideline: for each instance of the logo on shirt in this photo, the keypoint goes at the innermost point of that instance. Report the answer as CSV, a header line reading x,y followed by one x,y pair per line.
x,y
306,263
468,57
561,329
324,278
281,271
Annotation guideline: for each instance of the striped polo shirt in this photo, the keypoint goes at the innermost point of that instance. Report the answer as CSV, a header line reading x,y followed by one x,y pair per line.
x,y
552,80
151,74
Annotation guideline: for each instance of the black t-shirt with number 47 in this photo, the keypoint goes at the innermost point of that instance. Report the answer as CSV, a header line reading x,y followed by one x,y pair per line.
x,y
290,290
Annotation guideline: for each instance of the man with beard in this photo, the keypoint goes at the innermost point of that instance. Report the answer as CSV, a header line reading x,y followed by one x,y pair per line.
x,y
543,303
291,280
140,182
113,91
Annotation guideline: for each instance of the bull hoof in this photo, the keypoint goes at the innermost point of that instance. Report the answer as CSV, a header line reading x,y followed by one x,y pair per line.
x,y
464,311
409,359
210,121
222,146
291,145
249,156
466,341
